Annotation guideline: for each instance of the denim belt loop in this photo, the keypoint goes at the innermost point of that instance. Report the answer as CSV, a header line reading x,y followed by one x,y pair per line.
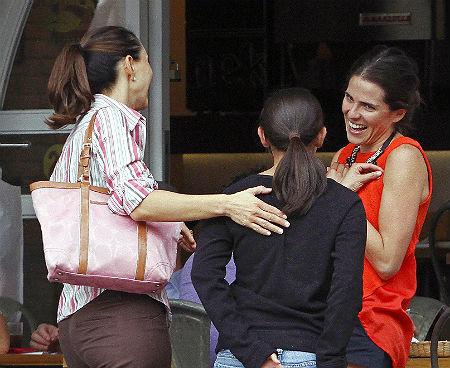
x,y
279,353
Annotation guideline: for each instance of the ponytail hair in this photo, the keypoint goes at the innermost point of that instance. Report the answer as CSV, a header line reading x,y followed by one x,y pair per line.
x,y
86,68
291,119
68,87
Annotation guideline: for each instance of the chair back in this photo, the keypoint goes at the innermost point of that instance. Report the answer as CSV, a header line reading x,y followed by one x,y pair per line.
x,y
437,330
424,313
438,271
189,335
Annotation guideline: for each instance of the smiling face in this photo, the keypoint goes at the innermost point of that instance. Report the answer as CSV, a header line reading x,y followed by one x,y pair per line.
x,y
368,119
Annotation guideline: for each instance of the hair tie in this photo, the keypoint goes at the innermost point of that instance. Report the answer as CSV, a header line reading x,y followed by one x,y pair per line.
x,y
295,135
80,48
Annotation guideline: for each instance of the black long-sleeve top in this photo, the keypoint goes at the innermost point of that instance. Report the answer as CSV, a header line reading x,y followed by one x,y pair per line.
x,y
301,290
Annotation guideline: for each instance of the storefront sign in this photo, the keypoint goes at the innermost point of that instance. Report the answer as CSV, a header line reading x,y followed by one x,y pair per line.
x,y
380,19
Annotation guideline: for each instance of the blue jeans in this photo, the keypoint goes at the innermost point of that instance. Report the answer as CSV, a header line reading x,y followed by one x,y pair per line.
x,y
288,359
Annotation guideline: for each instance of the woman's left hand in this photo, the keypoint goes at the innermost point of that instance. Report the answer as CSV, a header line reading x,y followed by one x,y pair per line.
x,y
186,240
354,177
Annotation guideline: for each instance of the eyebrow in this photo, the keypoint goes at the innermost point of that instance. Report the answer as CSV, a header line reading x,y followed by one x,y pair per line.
x,y
362,102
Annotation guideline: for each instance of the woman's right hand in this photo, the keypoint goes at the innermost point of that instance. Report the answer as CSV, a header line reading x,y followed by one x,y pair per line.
x,y
186,239
247,210
272,362
355,176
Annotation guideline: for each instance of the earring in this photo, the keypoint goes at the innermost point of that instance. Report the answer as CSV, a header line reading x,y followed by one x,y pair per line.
x,y
134,78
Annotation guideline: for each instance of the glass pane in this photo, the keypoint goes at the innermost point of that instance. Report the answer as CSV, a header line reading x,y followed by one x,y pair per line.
x,y
51,24
21,167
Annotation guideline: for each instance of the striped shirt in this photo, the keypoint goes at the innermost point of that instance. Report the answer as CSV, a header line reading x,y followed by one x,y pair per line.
x,y
118,142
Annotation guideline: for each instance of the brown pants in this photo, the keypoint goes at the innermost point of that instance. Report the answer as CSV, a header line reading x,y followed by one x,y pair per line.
x,y
115,330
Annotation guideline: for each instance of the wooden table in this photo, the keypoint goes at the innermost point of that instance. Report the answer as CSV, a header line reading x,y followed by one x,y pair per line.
x,y
26,360
57,360
426,363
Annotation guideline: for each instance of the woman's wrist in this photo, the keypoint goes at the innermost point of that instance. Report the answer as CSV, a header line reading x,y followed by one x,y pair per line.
x,y
224,205
350,185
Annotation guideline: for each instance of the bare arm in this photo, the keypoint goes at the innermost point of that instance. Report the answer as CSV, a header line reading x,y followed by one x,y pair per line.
x,y
4,336
405,187
242,207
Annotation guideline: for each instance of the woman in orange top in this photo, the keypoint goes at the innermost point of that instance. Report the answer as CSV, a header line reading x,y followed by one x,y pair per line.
x,y
392,176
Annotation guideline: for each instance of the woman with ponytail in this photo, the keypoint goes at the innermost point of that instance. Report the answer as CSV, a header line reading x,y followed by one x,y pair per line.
x,y
297,295
108,73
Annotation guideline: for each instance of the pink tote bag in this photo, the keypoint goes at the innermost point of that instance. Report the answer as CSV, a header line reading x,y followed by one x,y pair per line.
x,y
87,244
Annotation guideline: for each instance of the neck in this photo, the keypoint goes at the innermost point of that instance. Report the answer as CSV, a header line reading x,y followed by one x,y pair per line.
x,y
119,91
117,95
277,156
372,147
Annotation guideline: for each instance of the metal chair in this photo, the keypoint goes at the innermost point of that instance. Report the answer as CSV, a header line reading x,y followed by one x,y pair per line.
x,y
10,309
424,313
443,320
189,335
434,258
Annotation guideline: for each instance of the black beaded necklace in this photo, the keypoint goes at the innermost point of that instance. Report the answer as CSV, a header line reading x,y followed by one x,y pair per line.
x,y
372,159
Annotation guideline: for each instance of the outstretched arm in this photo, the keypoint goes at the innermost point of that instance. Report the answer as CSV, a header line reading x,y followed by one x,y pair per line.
x,y
132,186
242,207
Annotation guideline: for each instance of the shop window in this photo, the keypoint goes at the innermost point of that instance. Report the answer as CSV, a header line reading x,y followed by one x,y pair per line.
x,y
50,25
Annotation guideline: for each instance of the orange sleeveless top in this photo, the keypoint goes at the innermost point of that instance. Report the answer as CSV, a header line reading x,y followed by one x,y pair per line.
x,y
383,313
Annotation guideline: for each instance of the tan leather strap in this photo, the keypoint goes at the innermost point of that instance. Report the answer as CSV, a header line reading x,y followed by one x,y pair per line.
x,y
142,250
60,185
84,165
84,228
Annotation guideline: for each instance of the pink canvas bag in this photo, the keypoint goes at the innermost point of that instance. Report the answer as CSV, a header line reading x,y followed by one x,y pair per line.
x,y
87,244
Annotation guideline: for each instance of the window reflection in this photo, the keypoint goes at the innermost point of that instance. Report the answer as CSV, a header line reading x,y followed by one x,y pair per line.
x,y
50,25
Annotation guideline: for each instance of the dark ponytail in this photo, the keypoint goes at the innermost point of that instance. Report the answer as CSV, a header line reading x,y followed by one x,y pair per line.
x,y
291,119
84,69
68,87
